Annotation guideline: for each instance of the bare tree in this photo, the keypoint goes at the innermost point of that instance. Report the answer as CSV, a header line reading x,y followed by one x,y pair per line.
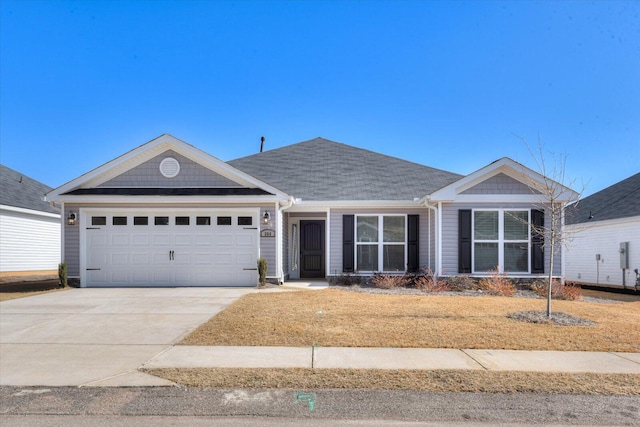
x,y
556,194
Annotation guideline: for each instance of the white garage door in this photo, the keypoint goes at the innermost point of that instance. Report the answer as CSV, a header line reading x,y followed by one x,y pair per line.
x,y
203,248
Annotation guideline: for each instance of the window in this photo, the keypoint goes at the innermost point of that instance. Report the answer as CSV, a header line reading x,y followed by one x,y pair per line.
x,y
182,220
245,220
98,220
224,220
203,220
161,220
119,220
501,239
381,243
140,220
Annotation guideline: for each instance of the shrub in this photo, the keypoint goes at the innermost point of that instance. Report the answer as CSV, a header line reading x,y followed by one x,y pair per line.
x,y
558,290
428,284
387,281
346,279
62,275
461,283
497,284
262,271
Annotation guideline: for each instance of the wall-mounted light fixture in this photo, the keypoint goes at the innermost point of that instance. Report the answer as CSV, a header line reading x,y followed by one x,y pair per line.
x,y
71,219
266,217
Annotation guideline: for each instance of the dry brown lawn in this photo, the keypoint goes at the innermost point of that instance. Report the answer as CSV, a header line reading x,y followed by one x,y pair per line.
x,y
349,319
436,381
5,296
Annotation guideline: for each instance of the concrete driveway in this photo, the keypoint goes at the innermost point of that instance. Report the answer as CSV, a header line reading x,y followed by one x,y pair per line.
x,y
99,337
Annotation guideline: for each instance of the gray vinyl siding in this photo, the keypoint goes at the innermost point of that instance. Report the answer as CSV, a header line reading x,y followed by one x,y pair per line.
x,y
500,184
450,233
268,245
335,222
191,175
72,243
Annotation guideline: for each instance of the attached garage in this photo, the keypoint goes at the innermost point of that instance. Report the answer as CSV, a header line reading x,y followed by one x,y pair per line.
x,y
162,247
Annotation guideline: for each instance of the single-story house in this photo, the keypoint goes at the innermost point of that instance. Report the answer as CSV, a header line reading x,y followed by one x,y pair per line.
x,y
605,236
29,228
169,214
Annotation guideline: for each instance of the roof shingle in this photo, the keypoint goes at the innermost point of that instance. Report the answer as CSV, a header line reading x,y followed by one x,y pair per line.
x,y
20,191
320,169
621,200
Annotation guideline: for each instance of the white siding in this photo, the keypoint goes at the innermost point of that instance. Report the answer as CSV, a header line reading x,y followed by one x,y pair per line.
x,y
28,242
604,238
450,234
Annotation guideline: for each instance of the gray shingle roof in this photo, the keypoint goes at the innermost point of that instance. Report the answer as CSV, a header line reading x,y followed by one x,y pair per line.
x,y
20,191
621,200
320,169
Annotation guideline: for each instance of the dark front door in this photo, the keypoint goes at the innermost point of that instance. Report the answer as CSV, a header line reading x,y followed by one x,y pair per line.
x,y
311,249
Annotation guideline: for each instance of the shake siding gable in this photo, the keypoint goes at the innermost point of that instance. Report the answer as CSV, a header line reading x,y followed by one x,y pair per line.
x,y
500,184
191,174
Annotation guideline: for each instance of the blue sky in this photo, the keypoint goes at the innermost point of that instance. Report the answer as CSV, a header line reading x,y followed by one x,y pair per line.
x,y
450,84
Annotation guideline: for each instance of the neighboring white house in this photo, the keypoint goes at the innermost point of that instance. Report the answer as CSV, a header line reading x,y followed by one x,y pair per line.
x,y
605,230
29,227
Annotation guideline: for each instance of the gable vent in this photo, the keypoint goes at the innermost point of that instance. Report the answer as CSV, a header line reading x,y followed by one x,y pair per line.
x,y
169,167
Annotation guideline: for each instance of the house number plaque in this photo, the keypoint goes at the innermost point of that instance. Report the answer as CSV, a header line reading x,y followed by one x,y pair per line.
x,y
268,233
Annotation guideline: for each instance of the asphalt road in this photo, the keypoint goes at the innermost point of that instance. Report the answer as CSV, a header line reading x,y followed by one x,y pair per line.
x,y
72,406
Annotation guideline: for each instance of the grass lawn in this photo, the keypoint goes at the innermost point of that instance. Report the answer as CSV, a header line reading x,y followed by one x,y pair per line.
x,y
340,318
335,318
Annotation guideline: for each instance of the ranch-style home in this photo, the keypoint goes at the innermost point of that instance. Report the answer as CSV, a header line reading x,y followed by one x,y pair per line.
x,y
169,214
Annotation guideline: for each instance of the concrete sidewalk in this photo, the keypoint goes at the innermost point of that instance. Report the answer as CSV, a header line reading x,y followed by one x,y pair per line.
x,y
396,358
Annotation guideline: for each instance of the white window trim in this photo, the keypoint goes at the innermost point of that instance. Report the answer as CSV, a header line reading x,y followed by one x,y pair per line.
x,y
380,242
500,241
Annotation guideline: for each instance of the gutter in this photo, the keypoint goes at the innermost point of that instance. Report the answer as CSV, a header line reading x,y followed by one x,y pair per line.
x,y
290,202
425,202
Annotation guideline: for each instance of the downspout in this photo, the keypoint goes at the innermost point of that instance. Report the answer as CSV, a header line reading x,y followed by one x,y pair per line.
x,y
281,209
425,202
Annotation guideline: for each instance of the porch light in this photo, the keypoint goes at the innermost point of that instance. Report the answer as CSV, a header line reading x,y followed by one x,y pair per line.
x,y
266,217
71,220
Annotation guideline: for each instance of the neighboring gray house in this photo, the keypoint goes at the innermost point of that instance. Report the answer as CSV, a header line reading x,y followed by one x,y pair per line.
x,y
29,227
605,230
168,214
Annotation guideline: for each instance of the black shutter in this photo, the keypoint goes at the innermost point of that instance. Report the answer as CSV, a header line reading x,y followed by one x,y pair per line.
x,y
347,243
412,243
464,241
537,241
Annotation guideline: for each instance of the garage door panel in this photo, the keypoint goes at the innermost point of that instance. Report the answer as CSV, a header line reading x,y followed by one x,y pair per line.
x,y
203,240
140,258
161,239
119,240
140,240
245,259
183,240
245,240
203,259
188,254
120,259
120,277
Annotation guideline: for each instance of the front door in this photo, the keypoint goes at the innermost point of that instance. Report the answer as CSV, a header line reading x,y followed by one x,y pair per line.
x,y
312,249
